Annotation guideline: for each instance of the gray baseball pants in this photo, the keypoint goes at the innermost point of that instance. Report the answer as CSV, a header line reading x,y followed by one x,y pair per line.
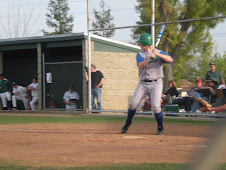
x,y
152,89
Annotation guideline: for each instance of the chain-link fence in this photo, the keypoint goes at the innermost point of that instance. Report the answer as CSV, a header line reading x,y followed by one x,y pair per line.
x,y
191,43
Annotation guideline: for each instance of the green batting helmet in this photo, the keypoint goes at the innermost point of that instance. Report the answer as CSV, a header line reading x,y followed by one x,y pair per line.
x,y
145,39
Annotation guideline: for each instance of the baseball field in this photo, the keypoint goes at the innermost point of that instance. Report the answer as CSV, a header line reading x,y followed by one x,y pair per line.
x,y
67,141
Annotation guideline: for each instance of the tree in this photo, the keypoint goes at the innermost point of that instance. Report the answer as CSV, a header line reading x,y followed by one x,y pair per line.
x,y
103,20
58,17
201,66
19,21
185,40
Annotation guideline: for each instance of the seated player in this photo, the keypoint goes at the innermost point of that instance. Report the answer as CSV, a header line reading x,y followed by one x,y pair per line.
x,y
33,87
70,99
19,93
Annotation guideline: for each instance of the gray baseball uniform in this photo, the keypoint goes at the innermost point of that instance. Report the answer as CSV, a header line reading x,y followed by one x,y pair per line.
x,y
150,82
150,62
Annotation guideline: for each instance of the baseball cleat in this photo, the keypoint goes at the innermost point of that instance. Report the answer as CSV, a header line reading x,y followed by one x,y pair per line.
x,y
125,128
160,131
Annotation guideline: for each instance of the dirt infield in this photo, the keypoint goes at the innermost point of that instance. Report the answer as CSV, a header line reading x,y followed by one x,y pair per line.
x,y
72,145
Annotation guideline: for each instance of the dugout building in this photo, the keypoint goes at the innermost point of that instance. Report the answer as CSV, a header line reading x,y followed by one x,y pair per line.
x,y
59,61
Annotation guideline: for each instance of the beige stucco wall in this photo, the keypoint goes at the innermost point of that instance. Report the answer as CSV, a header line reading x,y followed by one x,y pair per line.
x,y
121,77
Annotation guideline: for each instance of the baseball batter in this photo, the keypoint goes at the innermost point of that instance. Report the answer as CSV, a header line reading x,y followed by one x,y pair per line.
x,y
70,99
150,63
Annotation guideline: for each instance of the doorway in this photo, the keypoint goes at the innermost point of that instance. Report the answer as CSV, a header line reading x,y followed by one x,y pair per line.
x,y
62,76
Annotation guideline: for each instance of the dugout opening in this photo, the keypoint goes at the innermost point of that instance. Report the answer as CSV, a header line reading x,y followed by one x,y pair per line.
x,y
20,65
65,66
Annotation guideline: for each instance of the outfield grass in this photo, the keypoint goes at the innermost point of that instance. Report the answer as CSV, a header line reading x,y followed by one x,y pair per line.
x,y
19,119
144,166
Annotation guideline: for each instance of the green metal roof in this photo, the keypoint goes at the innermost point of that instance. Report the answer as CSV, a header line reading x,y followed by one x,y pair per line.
x,y
74,39
39,39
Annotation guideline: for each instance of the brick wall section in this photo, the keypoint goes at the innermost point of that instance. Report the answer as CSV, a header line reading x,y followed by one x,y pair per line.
x,y
121,78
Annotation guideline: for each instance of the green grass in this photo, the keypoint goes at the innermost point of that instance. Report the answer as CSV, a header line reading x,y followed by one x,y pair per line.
x,y
10,166
18,119
6,165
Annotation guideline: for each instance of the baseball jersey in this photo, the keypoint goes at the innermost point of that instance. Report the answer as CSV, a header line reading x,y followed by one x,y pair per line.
x,y
34,93
21,90
5,86
68,95
153,70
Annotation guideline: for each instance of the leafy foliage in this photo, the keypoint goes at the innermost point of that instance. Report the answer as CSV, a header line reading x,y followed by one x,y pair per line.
x,y
103,20
185,41
58,17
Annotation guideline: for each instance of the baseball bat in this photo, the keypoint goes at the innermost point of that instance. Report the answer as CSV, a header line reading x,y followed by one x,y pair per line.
x,y
160,34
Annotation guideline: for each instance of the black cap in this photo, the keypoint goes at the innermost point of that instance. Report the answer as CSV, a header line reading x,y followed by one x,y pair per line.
x,y
71,87
213,80
1,74
212,64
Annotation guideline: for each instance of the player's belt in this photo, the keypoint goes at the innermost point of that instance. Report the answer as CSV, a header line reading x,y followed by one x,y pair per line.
x,y
149,80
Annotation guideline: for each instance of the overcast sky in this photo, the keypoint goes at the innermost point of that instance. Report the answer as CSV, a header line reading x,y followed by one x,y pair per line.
x,y
123,11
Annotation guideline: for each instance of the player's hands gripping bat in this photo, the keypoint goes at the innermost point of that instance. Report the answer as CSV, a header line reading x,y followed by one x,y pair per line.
x,y
161,30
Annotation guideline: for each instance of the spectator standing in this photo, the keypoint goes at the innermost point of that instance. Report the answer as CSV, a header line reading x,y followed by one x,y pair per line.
x,y
33,87
70,99
19,93
213,73
97,80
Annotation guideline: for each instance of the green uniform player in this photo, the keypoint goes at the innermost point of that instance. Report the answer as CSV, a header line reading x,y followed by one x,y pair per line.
x,y
5,94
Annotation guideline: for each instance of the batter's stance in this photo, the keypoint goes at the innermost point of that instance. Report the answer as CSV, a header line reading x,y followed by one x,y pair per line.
x,y
150,63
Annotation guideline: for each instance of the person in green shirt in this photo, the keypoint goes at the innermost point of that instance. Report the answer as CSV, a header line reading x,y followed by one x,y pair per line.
x,y
213,73
5,94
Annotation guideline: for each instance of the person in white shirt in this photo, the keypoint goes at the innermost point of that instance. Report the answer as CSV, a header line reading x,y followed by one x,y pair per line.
x,y
20,93
70,99
33,87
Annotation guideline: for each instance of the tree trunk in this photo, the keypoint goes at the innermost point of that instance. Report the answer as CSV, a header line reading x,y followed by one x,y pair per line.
x,y
168,70
168,75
